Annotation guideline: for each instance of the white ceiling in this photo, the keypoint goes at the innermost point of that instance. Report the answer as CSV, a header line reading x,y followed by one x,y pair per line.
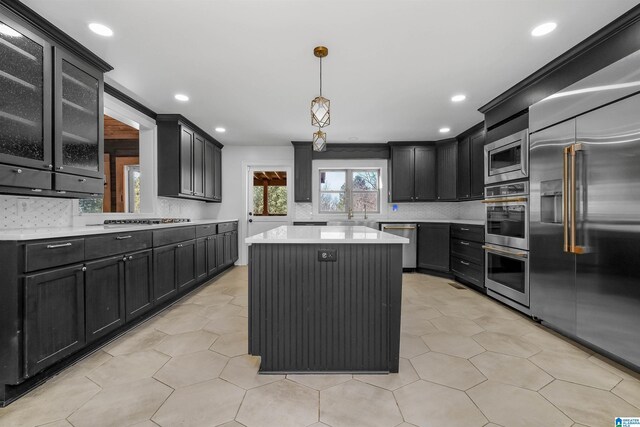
x,y
392,68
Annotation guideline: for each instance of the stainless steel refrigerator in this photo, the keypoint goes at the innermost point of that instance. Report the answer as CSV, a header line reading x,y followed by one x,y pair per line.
x,y
585,223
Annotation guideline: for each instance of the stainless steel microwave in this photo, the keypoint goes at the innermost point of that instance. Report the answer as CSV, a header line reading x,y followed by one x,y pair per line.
x,y
507,159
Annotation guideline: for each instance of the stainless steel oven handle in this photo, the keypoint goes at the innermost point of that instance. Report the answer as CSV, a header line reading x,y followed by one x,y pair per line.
x,y
505,252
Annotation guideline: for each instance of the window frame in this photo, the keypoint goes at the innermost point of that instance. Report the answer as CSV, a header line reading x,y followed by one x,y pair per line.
x,y
349,191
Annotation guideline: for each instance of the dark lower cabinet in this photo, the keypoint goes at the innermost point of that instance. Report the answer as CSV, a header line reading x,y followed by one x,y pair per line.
x,y
202,247
447,152
54,317
165,279
234,246
433,246
186,264
212,254
138,279
104,296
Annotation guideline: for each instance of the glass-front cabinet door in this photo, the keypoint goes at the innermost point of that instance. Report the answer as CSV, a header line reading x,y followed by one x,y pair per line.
x,y
79,122
25,97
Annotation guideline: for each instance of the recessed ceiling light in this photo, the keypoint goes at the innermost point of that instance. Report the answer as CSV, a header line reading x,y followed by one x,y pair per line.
x,y
181,97
458,98
444,130
543,29
100,29
220,130
8,31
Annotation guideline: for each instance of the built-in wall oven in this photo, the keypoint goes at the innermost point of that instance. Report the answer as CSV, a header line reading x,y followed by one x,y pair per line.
x,y
507,159
507,275
507,215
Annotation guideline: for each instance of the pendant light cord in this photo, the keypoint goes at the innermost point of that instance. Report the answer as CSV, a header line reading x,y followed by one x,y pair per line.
x,y
320,76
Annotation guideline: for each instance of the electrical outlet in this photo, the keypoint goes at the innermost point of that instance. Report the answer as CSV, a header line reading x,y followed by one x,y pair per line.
x,y
327,255
23,206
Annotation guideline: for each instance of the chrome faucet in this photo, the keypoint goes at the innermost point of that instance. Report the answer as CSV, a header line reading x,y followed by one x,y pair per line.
x,y
350,214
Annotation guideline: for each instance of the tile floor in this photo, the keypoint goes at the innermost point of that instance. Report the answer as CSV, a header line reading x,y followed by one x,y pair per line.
x,y
466,361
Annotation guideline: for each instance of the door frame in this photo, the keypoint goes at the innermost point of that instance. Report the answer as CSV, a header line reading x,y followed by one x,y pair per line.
x,y
247,167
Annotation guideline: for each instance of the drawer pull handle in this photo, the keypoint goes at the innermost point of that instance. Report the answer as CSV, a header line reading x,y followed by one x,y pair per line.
x,y
130,257
464,229
464,263
61,245
180,245
83,180
123,237
18,170
464,243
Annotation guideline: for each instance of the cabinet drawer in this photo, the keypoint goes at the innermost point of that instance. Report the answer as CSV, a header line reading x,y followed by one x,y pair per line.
x,y
467,250
78,184
474,233
467,270
226,227
43,255
113,244
13,176
205,230
173,235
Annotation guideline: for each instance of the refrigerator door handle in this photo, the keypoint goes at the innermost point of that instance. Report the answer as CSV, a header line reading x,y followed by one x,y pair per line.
x,y
575,249
565,195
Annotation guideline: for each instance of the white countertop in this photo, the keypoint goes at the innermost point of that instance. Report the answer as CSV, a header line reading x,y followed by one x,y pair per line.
x,y
325,234
398,221
55,232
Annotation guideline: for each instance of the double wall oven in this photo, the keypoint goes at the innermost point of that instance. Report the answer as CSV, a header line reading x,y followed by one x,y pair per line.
x,y
507,220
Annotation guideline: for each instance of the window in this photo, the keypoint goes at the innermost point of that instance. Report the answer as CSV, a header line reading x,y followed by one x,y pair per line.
x,y
344,189
270,193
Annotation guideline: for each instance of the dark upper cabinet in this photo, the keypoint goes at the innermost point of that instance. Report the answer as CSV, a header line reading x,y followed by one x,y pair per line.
x,y
25,98
413,173
78,117
447,153
476,142
186,160
425,173
51,113
54,316
190,160
138,279
198,165
402,174
302,172
464,169
104,296
433,246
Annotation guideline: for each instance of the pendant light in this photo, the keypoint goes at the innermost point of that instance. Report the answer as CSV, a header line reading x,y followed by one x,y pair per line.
x,y
320,114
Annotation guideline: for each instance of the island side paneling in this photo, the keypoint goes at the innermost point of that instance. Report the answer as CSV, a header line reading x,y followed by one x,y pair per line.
x,y
312,316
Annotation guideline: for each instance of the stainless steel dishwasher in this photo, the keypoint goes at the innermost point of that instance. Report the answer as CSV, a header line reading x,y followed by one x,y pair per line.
x,y
410,231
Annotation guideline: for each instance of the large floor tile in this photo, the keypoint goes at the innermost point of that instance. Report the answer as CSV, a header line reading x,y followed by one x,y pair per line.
x,y
189,342
516,407
629,390
232,345
453,345
506,344
221,311
457,325
204,404
139,339
411,346
280,404
416,326
588,405
320,381
227,325
53,401
517,327
548,340
511,370
426,404
243,372
192,368
122,405
211,299
356,404
614,368
447,370
128,368
182,309
406,375
575,369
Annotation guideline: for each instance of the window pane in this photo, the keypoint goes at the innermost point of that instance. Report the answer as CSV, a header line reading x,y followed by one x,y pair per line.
x,y
365,180
332,202
277,200
90,205
333,180
257,200
360,200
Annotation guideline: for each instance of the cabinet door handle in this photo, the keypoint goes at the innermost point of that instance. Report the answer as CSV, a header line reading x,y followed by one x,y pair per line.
x,y
464,243
464,262
61,245
180,245
464,229
17,170
124,258
123,237
83,180
130,257
60,168
84,269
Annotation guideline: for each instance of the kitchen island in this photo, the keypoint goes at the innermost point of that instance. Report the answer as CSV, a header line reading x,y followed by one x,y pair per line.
x,y
325,299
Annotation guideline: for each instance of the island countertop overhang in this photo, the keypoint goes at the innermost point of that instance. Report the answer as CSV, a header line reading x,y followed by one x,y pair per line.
x,y
287,234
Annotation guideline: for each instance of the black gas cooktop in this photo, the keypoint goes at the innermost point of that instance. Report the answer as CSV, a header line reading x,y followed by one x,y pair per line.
x,y
146,221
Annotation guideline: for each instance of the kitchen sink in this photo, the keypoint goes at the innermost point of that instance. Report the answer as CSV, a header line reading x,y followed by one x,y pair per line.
x,y
355,223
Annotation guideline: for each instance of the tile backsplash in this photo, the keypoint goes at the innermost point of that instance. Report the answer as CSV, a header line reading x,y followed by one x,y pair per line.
x,y
29,212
